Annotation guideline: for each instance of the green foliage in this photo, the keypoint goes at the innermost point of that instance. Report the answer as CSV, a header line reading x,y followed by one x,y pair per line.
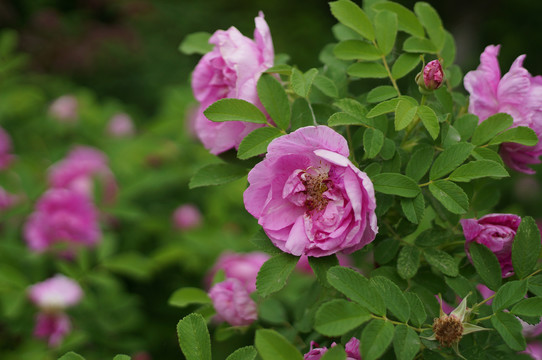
x,y
395,184
486,264
234,110
273,346
406,343
526,247
194,337
187,296
274,273
256,142
375,338
274,100
339,316
196,43
216,174
244,353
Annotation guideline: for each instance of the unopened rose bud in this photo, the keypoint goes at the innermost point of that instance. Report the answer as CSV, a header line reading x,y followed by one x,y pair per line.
x,y
433,75
186,217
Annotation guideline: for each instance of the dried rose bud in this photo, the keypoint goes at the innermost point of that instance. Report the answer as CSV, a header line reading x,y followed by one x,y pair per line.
x,y
433,75
448,330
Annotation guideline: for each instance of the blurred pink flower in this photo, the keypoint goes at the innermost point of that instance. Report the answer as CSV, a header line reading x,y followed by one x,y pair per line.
x,y
56,293
309,198
230,70
52,326
517,93
187,217
64,108
486,292
62,216
534,349
232,303
433,75
7,200
79,169
121,125
5,149
497,232
243,267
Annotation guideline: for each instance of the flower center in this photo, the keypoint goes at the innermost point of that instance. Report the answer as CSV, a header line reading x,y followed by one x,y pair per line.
x,y
448,330
316,184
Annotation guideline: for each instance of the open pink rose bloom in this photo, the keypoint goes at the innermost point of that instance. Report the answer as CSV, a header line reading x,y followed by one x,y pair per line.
x,y
243,267
230,70
351,348
497,232
232,303
517,93
309,198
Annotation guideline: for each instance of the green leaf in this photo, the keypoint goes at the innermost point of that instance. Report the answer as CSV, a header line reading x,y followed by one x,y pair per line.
x,y
262,242
383,108
490,127
478,169
388,149
406,343
442,261
385,30
335,353
429,120
272,311
274,273
407,21
274,100
343,118
450,195
301,114
339,316
282,69
509,294
273,346
326,85
71,356
448,50
417,309
381,93
509,327
356,50
393,297
405,113
526,247
196,43
256,142
535,285
395,184
320,266
528,307
408,261
450,159
351,106
466,125
414,208
122,357
404,64
234,110
132,264
244,353
375,339
351,15
419,45
420,162
373,139
487,154
357,288
432,23
194,337
367,70
302,83
386,250
216,174
460,285
520,135
486,264
188,296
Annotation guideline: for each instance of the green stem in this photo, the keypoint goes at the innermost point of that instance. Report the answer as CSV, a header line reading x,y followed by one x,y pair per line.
x,y
312,112
396,322
388,70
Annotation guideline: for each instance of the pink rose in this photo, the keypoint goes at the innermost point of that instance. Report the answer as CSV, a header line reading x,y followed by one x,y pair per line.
x,y
79,169
233,303
52,326
121,125
433,75
230,70
315,352
186,217
497,232
62,216
64,109
7,200
534,349
242,267
517,93
5,149
309,198
351,348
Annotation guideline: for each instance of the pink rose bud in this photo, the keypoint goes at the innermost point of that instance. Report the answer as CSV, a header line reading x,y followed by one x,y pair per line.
x,y
516,93
65,217
351,348
534,349
433,75
243,267
233,303
497,232
142,355
52,327
309,198
64,109
78,170
230,70
5,149
7,200
121,125
187,217
315,352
